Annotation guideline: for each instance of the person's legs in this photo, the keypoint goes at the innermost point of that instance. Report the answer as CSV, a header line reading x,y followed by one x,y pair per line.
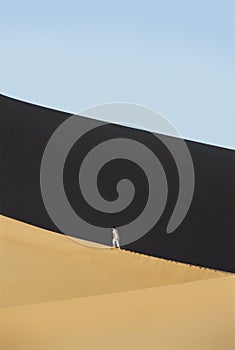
x,y
117,243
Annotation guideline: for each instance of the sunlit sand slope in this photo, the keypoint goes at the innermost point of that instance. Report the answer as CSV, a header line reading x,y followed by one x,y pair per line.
x,y
191,316
40,266
57,294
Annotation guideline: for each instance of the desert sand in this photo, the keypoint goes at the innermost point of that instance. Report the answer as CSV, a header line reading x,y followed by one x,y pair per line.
x,y
56,293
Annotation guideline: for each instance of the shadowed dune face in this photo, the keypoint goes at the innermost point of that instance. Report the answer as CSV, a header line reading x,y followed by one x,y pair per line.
x,y
205,236
57,294
40,266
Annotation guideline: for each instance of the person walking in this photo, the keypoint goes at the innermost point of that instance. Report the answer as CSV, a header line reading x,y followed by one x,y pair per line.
x,y
115,238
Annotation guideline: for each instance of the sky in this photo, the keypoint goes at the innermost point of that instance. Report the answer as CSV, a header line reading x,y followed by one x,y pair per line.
x,y
174,56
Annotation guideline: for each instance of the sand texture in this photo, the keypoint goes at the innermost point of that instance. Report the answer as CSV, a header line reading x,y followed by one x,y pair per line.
x,y
58,294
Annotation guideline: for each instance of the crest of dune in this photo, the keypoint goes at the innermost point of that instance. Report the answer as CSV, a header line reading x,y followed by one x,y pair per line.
x,y
60,293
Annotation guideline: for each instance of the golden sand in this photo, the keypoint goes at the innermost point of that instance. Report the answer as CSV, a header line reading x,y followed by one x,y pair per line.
x,y
58,294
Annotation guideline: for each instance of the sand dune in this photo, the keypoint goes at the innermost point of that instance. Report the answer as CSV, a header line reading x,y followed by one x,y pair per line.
x,y
58,294
38,266
204,238
191,316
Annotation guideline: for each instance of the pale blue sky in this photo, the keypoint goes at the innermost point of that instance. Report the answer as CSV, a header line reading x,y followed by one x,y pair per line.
x,y
172,56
